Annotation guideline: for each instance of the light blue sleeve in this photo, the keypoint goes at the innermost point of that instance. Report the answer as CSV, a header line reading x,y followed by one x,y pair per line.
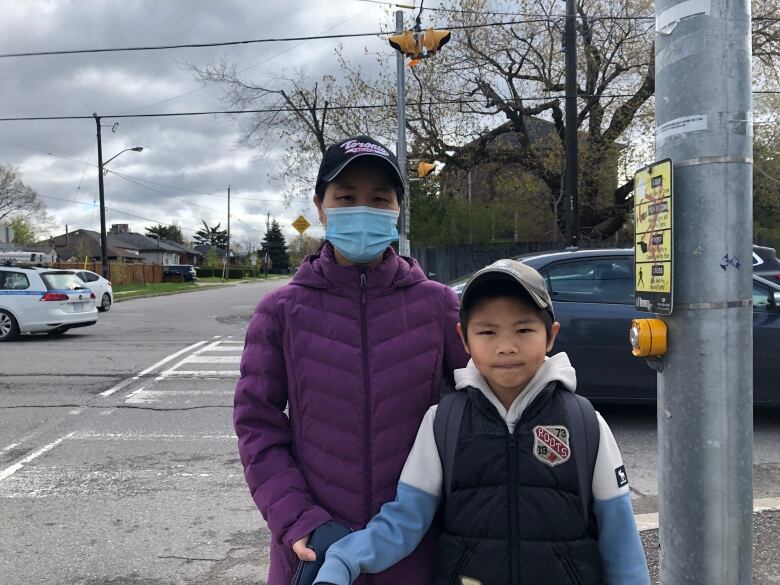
x,y
621,549
390,536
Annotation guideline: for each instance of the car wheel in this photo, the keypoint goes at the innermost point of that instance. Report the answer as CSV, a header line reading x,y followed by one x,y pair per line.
x,y
9,328
105,303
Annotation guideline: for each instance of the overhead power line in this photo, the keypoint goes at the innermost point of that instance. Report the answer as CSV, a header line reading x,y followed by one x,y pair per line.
x,y
253,41
331,108
500,13
121,212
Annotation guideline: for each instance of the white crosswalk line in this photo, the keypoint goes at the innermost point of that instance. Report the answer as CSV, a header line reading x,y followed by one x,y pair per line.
x,y
212,359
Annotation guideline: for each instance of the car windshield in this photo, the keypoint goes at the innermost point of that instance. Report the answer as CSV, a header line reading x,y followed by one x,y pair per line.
x,y
62,281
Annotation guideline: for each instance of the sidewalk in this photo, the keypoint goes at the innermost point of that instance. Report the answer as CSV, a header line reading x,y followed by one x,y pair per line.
x,y
766,548
199,286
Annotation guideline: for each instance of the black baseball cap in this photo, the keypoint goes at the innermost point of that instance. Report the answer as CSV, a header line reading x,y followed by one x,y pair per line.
x,y
339,155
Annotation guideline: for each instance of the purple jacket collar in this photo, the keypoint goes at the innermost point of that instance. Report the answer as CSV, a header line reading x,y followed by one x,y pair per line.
x,y
321,271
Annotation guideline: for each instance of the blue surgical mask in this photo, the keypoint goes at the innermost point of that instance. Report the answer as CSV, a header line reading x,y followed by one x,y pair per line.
x,y
361,234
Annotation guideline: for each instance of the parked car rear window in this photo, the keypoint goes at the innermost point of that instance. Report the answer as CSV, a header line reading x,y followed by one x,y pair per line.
x,y
592,280
62,281
13,280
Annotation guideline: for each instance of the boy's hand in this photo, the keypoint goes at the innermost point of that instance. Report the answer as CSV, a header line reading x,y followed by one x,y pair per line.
x,y
304,552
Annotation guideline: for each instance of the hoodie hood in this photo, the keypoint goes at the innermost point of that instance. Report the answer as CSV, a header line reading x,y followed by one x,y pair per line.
x,y
557,368
321,271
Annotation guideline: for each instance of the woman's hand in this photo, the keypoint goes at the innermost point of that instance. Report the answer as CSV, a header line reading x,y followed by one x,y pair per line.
x,y
304,552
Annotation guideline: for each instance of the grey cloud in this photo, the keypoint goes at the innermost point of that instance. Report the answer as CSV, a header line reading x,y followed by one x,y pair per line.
x,y
181,154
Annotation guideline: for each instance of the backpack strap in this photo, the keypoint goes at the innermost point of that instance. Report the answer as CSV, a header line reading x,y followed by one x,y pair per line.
x,y
585,438
446,428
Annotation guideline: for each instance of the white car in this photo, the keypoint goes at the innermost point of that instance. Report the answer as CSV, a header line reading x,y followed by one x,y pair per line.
x,y
104,293
42,300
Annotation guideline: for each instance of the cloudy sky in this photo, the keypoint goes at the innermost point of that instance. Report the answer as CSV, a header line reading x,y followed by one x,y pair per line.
x,y
187,163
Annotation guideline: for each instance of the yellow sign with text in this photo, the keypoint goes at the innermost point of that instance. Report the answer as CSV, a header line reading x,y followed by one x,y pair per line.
x,y
654,277
654,241
654,247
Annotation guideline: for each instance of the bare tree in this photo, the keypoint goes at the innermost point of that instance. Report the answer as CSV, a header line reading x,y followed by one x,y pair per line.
x,y
18,200
480,99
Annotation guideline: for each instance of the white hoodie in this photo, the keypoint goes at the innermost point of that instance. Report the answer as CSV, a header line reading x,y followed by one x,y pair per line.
x,y
400,525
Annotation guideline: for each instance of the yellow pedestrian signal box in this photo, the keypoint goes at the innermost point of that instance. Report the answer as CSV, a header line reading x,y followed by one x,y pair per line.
x,y
648,337
433,40
424,169
417,44
407,43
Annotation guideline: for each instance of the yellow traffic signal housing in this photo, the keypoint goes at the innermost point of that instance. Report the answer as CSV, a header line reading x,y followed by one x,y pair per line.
x,y
424,169
648,337
433,39
406,43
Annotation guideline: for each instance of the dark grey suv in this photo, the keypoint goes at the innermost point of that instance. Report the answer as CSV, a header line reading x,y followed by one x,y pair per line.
x,y
593,295
186,271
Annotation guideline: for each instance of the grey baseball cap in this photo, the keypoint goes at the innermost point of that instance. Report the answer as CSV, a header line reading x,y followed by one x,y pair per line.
x,y
528,278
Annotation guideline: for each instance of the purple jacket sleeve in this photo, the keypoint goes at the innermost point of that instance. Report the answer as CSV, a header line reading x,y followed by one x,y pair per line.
x,y
265,436
455,356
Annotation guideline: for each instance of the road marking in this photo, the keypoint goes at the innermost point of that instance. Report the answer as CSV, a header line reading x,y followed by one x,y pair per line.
x,y
163,361
132,436
200,374
107,412
212,359
134,392
221,348
11,446
9,471
75,411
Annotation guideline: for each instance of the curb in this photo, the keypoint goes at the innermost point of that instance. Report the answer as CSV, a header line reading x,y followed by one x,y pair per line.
x,y
650,521
179,292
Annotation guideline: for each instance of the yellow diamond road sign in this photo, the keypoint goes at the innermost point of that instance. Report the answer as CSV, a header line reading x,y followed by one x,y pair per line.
x,y
301,224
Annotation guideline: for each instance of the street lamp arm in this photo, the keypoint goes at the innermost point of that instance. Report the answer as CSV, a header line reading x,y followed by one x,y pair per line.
x,y
135,149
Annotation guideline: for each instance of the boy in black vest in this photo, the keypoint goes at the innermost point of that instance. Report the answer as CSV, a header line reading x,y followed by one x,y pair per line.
x,y
527,477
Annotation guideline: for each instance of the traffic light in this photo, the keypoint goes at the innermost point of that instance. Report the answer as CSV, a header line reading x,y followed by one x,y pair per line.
x,y
417,44
433,40
424,169
407,43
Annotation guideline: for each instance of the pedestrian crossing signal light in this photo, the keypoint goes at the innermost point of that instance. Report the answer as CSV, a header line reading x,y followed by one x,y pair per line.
x,y
433,40
424,169
417,44
406,43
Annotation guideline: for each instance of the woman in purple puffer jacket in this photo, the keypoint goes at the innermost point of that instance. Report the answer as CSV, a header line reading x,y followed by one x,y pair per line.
x,y
356,347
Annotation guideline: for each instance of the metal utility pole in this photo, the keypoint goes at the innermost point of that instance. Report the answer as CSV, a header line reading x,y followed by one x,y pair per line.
x,y
226,269
103,242
267,242
705,389
570,182
400,149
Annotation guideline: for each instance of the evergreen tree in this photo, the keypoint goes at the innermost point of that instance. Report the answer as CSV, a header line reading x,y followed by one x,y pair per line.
x,y
211,236
277,249
166,232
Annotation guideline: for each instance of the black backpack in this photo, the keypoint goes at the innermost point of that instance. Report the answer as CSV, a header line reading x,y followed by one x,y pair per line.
x,y
581,415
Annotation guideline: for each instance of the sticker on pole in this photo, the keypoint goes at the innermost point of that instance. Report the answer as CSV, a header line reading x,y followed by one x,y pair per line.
x,y
653,249
301,224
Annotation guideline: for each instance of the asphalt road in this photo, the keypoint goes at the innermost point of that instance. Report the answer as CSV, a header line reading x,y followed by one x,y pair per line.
x,y
118,462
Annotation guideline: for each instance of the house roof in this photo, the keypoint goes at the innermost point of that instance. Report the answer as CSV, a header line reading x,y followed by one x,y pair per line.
x,y
141,242
181,248
113,248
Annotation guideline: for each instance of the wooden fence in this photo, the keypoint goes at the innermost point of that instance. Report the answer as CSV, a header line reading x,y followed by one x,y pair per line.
x,y
120,272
